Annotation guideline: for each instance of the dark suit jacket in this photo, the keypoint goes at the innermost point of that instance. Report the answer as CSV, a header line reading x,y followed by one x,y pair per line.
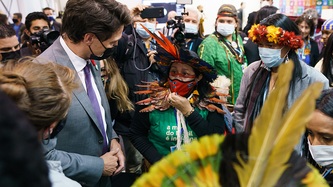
x,y
79,144
250,21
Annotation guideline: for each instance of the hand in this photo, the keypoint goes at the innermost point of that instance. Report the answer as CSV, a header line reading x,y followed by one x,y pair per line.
x,y
34,49
110,162
180,103
151,55
120,155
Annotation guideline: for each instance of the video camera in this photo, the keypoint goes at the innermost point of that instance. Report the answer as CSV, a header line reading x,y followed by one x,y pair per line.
x,y
44,38
180,35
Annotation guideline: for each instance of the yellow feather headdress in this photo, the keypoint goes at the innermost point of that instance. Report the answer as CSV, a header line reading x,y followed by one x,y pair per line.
x,y
269,157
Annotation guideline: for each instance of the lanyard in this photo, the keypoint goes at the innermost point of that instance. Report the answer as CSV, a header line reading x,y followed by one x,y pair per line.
x,y
326,172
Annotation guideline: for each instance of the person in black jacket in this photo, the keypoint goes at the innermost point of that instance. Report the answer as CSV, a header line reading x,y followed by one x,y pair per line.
x,y
251,49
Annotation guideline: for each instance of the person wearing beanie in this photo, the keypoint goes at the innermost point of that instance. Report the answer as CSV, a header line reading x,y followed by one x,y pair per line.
x,y
326,30
224,49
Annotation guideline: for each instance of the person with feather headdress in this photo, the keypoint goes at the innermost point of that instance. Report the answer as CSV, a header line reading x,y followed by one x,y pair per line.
x,y
263,158
182,106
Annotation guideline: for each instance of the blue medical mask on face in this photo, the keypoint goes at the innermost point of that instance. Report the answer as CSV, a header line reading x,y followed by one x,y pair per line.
x,y
191,28
271,57
225,29
142,32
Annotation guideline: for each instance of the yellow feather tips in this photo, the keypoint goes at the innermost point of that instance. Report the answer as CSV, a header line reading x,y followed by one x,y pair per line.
x,y
275,134
196,164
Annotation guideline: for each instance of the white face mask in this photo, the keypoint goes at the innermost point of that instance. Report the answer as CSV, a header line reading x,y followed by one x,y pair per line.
x,y
270,57
225,29
265,3
191,28
322,154
142,32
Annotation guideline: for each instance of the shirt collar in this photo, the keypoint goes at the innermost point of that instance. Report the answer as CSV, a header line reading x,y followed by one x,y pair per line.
x,y
78,62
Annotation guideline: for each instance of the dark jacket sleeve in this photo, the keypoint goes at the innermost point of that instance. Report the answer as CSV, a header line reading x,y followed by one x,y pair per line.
x,y
214,124
314,54
139,136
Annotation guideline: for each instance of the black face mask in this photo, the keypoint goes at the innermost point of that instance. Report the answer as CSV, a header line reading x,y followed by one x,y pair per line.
x,y
107,53
15,20
11,55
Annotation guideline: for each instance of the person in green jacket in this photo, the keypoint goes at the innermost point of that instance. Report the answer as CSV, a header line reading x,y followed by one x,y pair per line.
x,y
224,49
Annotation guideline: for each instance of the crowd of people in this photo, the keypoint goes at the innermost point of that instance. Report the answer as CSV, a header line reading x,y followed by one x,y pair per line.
x,y
103,94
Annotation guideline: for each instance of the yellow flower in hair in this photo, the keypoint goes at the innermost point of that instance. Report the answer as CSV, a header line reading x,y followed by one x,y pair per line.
x,y
273,34
252,33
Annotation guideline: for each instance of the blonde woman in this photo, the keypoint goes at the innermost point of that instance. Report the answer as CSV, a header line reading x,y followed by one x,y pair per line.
x,y
43,93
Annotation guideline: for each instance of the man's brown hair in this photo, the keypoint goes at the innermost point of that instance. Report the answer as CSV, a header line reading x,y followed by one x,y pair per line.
x,y
100,17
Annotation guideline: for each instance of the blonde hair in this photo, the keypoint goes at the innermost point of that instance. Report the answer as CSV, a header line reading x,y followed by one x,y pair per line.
x,y
117,88
42,91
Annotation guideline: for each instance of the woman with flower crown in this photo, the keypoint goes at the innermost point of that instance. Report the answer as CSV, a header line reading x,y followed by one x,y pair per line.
x,y
278,39
183,105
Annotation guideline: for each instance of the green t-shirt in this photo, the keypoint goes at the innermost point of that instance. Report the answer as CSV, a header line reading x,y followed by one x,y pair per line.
x,y
163,129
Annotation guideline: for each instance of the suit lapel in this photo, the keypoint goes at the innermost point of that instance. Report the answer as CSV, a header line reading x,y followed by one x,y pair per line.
x,y
80,93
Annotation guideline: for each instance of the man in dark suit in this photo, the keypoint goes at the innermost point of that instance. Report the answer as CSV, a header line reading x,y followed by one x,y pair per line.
x,y
87,145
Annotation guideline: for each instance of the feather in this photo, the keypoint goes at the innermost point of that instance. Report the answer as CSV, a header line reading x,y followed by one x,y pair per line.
x,y
264,131
292,128
164,43
275,134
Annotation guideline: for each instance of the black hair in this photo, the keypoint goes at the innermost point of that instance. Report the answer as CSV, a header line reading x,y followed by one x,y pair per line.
x,y
21,157
3,18
19,15
325,102
35,16
100,17
264,12
326,68
284,22
6,31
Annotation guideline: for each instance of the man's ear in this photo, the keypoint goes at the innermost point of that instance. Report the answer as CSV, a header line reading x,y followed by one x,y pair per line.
x,y
88,38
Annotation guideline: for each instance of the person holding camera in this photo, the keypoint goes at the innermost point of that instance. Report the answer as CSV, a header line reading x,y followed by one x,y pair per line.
x,y
186,29
224,49
35,22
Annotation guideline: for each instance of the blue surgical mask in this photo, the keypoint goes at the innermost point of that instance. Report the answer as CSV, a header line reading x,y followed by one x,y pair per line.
x,y
271,57
191,28
225,29
142,32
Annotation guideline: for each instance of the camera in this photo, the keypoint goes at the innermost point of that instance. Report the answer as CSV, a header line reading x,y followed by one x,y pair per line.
x,y
44,38
180,35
